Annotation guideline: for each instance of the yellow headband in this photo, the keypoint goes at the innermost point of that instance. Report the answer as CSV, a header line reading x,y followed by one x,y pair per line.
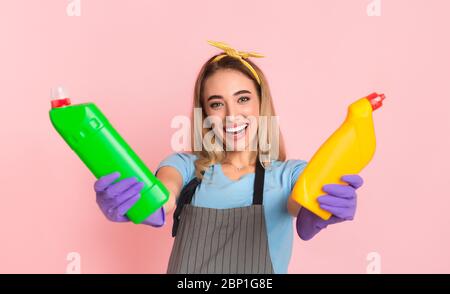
x,y
240,55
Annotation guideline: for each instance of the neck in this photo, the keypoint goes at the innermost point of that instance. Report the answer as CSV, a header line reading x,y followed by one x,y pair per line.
x,y
240,158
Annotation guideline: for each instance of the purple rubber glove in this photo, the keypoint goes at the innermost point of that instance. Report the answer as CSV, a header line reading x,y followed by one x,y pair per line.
x,y
340,201
116,199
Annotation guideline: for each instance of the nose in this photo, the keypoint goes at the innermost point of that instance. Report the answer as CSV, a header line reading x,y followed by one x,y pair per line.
x,y
232,115
230,110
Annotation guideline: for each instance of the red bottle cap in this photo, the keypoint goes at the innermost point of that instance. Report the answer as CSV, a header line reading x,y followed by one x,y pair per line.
x,y
376,100
60,102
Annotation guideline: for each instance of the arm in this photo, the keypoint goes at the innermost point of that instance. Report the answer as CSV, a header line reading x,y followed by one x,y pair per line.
x,y
293,206
308,224
171,172
173,181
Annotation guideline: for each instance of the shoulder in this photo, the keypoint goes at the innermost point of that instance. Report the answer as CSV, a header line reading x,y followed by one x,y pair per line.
x,y
182,156
183,162
289,170
288,166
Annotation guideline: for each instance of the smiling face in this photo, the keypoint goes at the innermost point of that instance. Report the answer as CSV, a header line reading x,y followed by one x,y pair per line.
x,y
232,98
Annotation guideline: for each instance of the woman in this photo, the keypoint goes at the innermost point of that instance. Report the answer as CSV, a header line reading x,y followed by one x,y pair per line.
x,y
234,211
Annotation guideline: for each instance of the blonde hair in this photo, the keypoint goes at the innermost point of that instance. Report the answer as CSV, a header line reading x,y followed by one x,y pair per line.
x,y
206,158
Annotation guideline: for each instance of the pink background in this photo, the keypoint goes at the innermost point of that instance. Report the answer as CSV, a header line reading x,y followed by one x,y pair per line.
x,y
138,60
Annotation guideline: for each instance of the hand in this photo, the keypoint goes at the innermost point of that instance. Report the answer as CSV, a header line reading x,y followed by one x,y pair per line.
x,y
116,199
340,201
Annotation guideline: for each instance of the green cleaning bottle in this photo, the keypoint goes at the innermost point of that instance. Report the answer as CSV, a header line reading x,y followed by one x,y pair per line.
x,y
87,131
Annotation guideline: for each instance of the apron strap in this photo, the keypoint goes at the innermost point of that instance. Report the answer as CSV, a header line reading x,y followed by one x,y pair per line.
x,y
258,186
189,190
185,198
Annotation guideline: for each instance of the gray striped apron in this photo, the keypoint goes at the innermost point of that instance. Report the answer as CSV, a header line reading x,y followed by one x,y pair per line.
x,y
220,241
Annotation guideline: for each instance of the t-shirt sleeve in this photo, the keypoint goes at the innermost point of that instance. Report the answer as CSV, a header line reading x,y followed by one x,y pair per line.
x,y
183,163
297,168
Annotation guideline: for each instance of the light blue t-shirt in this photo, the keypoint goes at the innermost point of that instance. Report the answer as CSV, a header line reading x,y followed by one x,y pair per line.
x,y
220,192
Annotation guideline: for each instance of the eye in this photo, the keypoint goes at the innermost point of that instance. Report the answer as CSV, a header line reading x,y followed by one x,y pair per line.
x,y
215,105
243,99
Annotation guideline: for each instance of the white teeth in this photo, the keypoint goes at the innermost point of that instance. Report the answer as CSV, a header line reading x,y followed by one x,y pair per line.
x,y
236,129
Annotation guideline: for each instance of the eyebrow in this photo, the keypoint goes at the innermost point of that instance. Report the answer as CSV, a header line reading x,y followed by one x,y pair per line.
x,y
237,93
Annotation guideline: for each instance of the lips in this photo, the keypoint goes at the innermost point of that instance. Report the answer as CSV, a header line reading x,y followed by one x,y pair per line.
x,y
236,129
236,132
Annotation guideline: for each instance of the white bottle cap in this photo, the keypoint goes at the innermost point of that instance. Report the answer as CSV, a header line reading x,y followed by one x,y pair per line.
x,y
59,93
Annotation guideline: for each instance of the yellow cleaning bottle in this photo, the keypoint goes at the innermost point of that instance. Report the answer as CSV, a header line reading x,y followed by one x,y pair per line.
x,y
347,151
